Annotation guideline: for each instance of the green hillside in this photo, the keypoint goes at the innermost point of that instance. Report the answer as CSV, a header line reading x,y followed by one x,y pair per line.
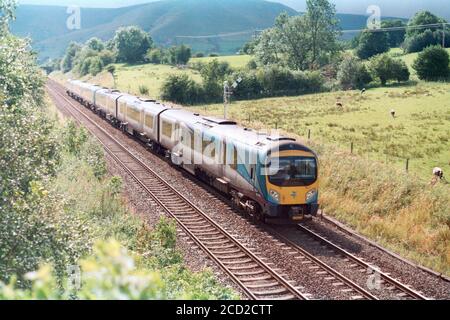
x,y
165,20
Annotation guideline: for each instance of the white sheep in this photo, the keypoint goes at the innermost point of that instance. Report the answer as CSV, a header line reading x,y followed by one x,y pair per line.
x,y
438,172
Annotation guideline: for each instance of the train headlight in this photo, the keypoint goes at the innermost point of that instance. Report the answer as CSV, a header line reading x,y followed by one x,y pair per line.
x,y
274,195
311,194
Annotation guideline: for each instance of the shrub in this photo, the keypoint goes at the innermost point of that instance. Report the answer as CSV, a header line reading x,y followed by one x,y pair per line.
x,y
386,68
95,65
213,55
353,74
199,55
107,57
143,90
181,89
432,64
418,42
155,56
252,65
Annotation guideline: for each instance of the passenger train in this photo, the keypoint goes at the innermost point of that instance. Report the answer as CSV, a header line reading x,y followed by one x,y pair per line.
x,y
270,177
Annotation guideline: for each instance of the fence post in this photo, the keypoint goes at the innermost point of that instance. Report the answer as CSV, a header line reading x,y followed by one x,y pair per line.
x,y
309,134
407,165
351,147
276,125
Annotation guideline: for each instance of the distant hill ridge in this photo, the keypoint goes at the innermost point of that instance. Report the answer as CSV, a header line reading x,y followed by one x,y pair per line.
x,y
164,20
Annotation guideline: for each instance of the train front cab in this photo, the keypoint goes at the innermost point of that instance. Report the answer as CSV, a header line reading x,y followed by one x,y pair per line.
x,y
291,183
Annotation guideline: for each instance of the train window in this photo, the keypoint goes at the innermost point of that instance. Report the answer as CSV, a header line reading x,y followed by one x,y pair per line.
x,y
134,114
167,129
149,121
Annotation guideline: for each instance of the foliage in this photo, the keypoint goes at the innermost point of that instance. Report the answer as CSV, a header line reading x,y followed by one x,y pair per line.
x,y
181,89
7,8
67,62
353,74
395,37
301,42
95,44
418,39
113,273
371,44
432,64
132,44
386,68
143,90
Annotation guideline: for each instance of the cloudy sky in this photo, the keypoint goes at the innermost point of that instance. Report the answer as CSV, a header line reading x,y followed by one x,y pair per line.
x,y
398,8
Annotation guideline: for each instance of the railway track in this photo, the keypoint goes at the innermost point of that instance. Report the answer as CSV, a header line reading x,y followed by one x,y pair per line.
x,y
385,281
256,278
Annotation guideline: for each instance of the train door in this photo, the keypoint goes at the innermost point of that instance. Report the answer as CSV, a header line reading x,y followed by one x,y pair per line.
x,y
187,143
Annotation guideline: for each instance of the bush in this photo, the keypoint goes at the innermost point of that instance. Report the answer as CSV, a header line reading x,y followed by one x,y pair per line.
x,y
432,64
418,42
199,55
181,89
155,56
386,68
353,74
95,65
276,81
252,65
143,90
371,44
107,57
213,55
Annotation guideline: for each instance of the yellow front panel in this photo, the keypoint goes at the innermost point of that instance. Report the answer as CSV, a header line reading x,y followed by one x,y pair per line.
x,y
292,195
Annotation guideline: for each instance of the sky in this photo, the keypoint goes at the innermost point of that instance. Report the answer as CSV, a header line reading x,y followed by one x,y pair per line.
x,y
397,8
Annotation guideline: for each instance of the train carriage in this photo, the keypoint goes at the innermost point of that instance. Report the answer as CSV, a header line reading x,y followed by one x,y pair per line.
x,y
269,176
106,103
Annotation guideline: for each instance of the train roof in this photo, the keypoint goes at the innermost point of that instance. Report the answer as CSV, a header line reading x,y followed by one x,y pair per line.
x,y
140,103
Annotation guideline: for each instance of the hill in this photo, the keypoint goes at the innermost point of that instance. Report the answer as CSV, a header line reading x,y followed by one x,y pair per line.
x,y
169,22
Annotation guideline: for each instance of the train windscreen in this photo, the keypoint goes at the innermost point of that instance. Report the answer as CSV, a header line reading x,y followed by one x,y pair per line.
x,y
293,171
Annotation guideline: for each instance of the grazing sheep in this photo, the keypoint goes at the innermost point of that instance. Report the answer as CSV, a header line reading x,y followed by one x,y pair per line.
x,y
363,91
438,175
438,172
339,104
393,113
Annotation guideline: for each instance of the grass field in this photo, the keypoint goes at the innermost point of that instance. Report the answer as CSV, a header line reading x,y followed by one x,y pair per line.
x,y
420,131
130,77
236,62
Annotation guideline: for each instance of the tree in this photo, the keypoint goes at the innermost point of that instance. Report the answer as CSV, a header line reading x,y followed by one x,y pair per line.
x,y
353,74
372,43
68,60
182,54
322,28
432,64
385,68
132,44
95,44
395,37
301,42
7,8
418,39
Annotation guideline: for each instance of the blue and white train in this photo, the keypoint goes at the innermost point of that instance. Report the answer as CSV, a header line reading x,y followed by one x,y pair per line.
x,y
271,177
